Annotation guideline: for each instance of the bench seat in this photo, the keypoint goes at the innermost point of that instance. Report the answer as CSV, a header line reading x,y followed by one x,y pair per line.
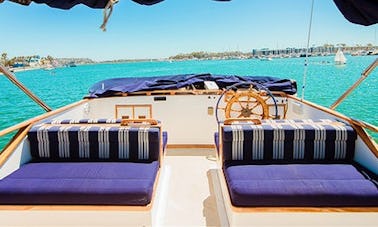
x,y
80,183
315,185
294,163
86,164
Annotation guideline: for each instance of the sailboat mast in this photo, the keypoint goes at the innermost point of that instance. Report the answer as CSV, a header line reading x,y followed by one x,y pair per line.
x,y
307,49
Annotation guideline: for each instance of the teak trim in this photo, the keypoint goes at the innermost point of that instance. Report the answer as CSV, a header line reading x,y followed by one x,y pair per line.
x,y
138,122
9,149
229,121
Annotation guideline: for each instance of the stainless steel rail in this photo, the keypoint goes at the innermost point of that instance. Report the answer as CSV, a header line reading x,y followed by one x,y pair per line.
x,y
14,80
364,75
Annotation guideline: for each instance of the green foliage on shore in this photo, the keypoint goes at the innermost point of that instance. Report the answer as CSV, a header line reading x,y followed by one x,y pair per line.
x,y
209,55
4,60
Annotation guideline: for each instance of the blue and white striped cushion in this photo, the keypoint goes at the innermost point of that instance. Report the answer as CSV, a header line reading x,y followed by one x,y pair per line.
x,y
94,143
289,140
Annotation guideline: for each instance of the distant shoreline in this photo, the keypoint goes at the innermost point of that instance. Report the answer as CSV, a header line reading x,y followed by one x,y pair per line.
x,y
325,50
22,69
29,68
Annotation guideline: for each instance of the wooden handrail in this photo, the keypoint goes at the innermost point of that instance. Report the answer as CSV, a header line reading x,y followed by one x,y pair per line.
x,y
337,114
229,121
126,122
17,139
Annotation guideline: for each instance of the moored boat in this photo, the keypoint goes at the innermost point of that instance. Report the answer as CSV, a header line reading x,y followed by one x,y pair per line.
x,y
340,58
190,149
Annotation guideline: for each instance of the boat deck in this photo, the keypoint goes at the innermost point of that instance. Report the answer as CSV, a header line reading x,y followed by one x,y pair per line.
x,y
193,200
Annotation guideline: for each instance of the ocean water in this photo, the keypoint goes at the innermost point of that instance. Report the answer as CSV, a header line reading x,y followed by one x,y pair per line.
x,y
325,82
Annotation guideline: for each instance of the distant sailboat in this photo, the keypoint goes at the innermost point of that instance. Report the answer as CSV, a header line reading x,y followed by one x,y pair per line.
x,y
265,58
340,59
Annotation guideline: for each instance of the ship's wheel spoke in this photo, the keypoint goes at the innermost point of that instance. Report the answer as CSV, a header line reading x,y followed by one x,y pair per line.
x,y
248,101
253,107
240,103
233,110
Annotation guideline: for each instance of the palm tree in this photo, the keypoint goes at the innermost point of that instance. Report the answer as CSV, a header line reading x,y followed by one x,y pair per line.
x,y
4,59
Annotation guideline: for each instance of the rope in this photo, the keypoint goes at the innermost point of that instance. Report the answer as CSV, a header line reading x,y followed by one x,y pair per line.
x,y
107,13
308,45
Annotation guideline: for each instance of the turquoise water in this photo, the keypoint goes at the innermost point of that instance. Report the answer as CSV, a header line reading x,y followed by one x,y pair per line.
x,y
325,83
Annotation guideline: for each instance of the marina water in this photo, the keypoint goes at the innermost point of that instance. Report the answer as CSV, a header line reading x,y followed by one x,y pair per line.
x,y
324,84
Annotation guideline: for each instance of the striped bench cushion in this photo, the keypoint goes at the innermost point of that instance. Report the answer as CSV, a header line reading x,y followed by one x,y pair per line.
x,y
94,143
289,141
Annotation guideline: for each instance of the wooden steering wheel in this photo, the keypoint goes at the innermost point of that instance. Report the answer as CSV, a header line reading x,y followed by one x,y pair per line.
x,y
247,104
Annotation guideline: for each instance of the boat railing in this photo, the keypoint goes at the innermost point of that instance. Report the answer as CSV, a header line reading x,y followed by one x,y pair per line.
x,y
352,121
14,80
364,75
358,125
23,127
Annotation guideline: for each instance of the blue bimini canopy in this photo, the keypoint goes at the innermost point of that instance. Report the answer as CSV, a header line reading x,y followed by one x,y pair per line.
x,y
119,86
362,12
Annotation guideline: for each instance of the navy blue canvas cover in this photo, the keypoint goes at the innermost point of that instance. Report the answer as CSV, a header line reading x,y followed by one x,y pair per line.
x,y
96,4
359,12
115,86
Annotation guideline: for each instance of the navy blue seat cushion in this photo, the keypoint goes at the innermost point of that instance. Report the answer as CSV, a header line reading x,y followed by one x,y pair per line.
x,y
85,183
315,185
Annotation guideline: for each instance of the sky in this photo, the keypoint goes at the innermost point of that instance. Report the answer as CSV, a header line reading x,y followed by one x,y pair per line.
x,y
174,26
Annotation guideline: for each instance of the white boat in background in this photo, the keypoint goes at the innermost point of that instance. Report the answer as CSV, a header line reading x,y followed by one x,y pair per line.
x,y
265,59
340,58
190,150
